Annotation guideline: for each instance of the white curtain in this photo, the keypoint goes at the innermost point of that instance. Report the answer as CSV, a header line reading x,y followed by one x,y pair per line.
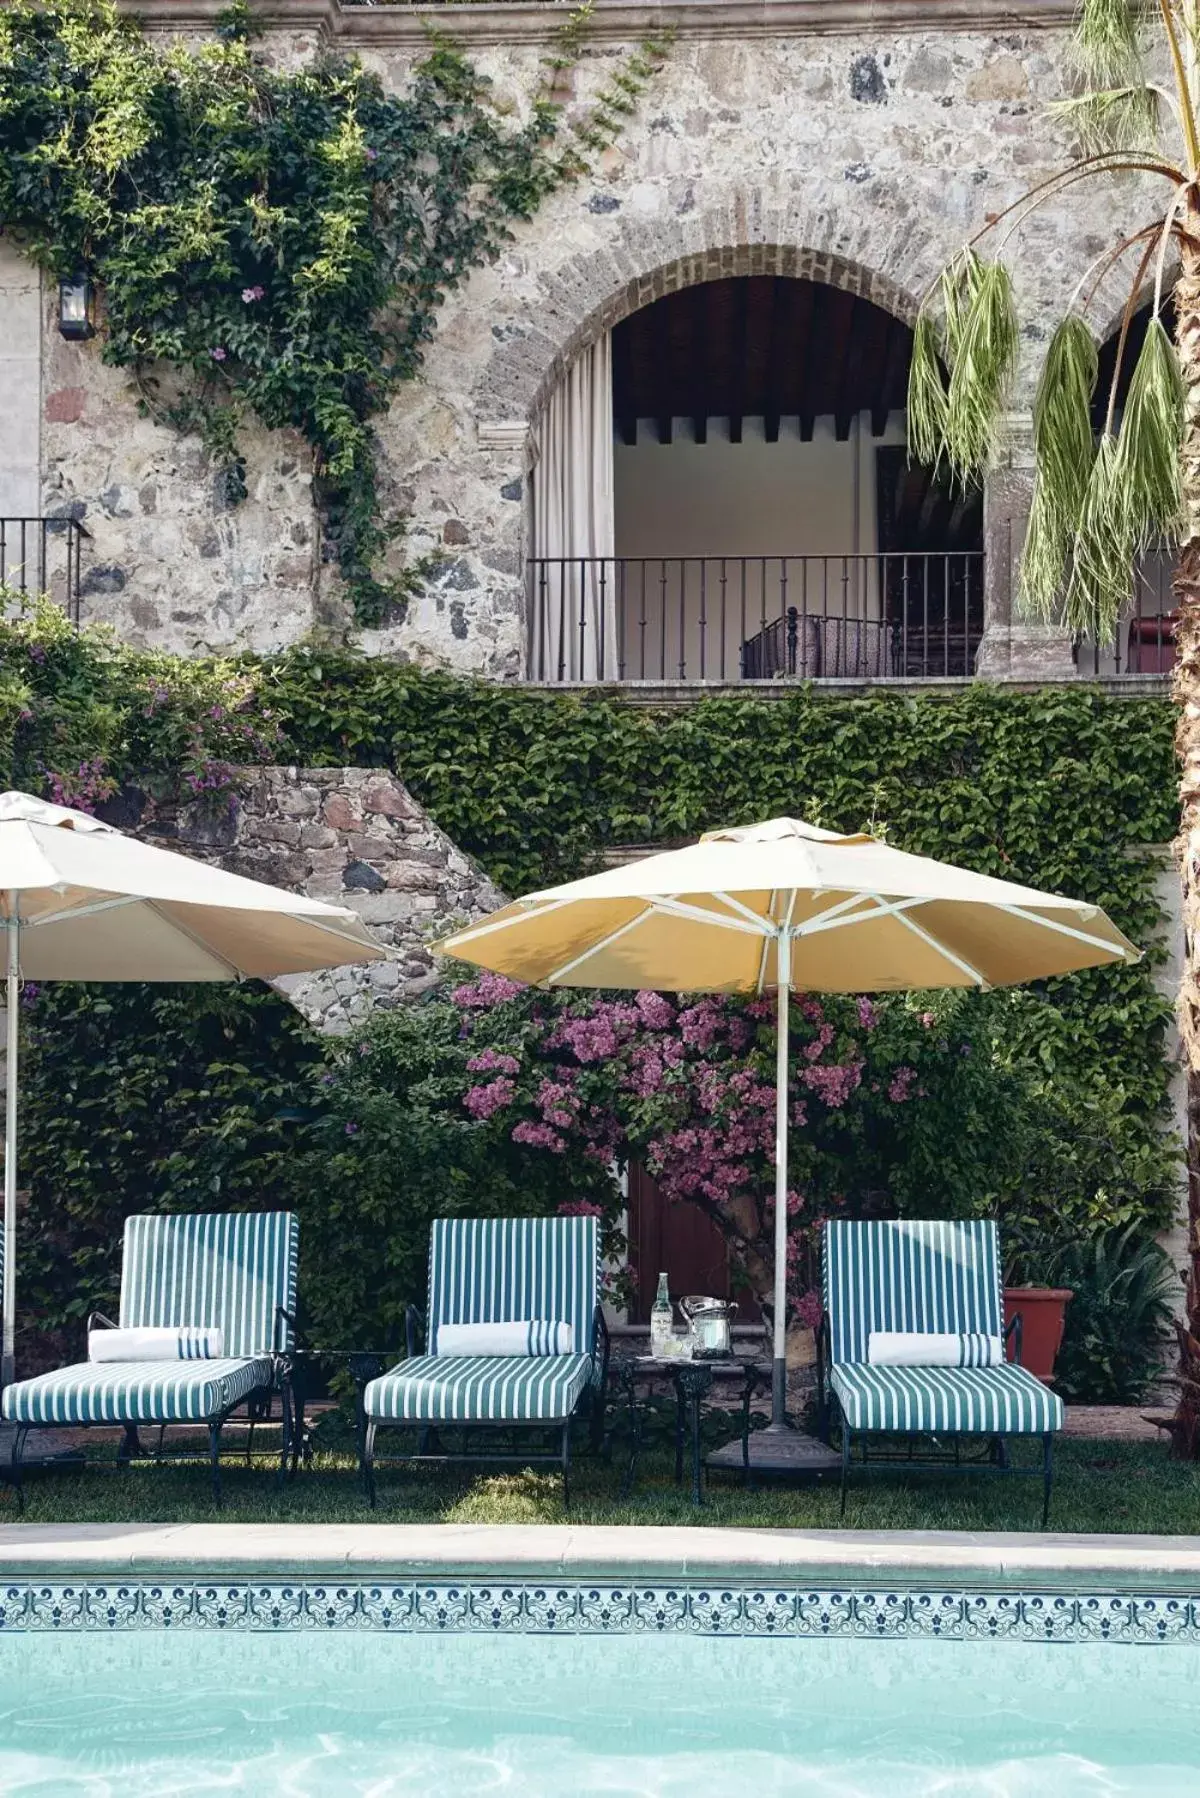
x,y
574,577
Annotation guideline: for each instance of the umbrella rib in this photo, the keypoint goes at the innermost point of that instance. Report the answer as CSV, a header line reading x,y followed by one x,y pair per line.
x,y
82,911
941,949
613,936
880,908
494,924
1082,936
763,953
679,908
746,911
175,924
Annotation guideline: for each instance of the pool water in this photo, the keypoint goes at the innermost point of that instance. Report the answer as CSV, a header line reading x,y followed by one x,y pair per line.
x,y
530,1716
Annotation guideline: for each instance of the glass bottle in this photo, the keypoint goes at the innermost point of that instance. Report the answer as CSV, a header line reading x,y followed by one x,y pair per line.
x,y
661,1321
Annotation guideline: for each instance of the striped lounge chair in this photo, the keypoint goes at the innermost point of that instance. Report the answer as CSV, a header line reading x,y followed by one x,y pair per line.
x,y
928,1277
498,1270
235,1272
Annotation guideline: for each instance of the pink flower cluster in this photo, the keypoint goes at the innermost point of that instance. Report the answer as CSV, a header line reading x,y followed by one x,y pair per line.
x,y
486,991
901,1084
492,1061
485,1101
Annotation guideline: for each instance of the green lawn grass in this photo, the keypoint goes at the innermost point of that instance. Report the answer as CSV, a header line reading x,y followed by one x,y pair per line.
x,y
1099,1486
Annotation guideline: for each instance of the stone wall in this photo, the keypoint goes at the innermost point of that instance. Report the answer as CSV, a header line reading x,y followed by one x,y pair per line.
x,y
853,154
356,837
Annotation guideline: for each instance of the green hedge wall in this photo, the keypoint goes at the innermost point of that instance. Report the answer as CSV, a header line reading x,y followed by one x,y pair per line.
x,y
1062,787
1059,788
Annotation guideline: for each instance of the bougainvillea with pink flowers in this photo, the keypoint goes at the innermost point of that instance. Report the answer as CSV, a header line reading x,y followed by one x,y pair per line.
x,y
686,1086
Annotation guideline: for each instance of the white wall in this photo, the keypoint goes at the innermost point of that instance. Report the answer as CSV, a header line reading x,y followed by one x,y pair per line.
x,y
20,385
721,501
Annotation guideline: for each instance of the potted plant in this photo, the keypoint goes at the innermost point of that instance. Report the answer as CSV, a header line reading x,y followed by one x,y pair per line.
x,y
1042,1309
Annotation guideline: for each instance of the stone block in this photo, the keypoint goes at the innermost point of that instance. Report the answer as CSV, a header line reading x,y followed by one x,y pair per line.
x,y
387,798
338,813
412,877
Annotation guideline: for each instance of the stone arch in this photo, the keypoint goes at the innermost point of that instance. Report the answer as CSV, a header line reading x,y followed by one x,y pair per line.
x,y
751,235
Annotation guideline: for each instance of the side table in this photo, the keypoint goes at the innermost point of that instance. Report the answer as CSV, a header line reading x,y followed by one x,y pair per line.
x,y
692,1382
362,1365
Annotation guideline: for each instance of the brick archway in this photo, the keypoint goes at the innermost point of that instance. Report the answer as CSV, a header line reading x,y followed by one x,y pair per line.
x,y
749,236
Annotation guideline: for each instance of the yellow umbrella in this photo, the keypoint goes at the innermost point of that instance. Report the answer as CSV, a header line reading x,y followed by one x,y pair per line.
x,y
779,905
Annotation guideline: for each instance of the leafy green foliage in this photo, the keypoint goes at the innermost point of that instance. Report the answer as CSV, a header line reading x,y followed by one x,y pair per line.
x,y
390,1147
1126,1292
271,241
143,1098
1055,788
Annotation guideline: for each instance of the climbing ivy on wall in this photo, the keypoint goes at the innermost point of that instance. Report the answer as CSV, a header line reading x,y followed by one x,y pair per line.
x,y
273,241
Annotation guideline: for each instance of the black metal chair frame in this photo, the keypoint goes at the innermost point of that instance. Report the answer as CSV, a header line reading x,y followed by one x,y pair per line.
x,y
256,1403
994,1459
591,1400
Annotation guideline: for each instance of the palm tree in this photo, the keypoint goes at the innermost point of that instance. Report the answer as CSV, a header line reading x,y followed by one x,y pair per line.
x,y
1099,500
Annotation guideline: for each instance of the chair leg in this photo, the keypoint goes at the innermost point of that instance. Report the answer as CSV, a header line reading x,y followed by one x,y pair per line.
x,y
130,1447
845,1465
18,1453
1047,1475
368,1461
288,1425
566,1466
214,1459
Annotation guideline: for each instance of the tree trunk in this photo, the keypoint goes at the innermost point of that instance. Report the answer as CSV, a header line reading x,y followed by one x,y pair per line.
x,y
1185,1429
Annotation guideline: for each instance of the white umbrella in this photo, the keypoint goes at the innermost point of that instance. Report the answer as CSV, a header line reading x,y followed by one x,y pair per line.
x,y
82,901
784,904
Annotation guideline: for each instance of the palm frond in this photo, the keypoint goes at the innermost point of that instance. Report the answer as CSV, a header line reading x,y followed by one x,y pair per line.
x,y
1151,432
983,337
1106,43
1063,448
1104,548
926,394
1113,119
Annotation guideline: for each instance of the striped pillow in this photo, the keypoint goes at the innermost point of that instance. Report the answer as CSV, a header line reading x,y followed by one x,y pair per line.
x,y
153,1344
927,1348
532,1336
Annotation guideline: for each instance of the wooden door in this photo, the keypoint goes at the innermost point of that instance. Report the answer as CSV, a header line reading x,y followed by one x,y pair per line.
x,y
680,1240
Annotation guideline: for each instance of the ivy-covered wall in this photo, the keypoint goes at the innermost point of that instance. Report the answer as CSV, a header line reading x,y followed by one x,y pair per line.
x,y
1059,787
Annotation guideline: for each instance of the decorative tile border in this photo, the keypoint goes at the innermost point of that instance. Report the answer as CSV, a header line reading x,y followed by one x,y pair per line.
x,y
449,1607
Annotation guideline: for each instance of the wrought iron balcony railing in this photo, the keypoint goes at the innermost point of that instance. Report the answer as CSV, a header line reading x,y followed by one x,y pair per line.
x,y
1144,642
891,616
43,555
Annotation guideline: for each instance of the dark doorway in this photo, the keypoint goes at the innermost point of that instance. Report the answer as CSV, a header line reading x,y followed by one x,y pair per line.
x,y
680,1240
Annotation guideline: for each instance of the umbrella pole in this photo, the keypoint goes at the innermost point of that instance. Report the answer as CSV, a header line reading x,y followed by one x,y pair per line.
x,y
779,1364
7,1357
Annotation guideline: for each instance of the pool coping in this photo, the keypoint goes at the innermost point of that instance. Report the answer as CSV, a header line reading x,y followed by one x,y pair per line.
x,y
642,1552
522,1579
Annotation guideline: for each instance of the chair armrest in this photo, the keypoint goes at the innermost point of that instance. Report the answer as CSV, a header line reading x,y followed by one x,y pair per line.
x,y
284,1317
414,1329
602,1341
98,1321
1014,1330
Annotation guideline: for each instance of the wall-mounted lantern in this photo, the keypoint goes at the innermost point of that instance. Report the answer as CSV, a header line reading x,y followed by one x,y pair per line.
x,y
76,302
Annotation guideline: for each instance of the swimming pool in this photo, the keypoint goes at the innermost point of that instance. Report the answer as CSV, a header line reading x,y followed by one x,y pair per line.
x,y
187,1711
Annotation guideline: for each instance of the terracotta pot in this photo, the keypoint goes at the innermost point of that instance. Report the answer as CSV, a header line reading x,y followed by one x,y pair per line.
x,y
1042,1311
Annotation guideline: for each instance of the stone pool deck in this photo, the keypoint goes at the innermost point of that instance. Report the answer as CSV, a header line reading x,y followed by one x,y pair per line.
x,y
473,1552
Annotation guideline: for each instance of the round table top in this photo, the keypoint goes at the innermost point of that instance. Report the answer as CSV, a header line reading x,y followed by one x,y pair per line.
x,y
653,1364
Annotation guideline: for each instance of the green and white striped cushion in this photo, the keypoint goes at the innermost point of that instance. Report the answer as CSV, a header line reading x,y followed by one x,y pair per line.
x,y
937,1277
985,1401
136,1391
479,1389
508,1269
220,1270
